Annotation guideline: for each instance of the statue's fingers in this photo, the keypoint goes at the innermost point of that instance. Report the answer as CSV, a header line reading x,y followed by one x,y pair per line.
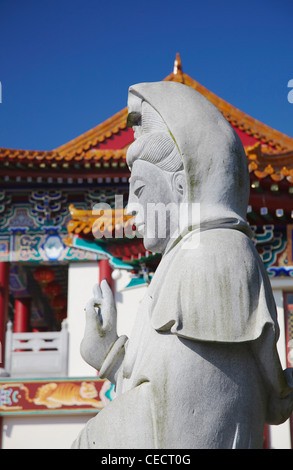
x,y
106,290
98,296
92,308
93,314
109,310
97,292
89,306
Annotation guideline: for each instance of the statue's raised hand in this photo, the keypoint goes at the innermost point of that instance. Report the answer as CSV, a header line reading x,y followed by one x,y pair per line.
x,y
100,330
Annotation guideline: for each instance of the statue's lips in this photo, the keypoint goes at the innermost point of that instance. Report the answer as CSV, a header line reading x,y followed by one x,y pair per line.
x,y
139,227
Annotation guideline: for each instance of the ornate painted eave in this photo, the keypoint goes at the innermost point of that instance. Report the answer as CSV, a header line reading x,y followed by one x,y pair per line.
x,y
54,161
93,166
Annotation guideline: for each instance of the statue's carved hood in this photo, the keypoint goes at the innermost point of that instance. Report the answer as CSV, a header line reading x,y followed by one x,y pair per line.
x,y
213,156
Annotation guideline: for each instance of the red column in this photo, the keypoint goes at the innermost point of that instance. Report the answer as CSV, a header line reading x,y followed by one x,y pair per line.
x,y
266,436
4,292
22,308
105,272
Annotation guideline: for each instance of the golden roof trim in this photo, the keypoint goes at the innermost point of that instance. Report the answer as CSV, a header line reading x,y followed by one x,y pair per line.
x,y
99,133
84,222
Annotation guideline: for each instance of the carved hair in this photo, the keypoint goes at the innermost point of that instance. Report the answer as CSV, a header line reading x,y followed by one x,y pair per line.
x,y
155,143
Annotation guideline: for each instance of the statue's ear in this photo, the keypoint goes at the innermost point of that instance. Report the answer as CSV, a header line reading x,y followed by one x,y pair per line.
x,y
179,184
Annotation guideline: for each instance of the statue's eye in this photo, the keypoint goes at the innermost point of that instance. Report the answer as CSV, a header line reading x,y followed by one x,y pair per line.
x,y
138,191
133,119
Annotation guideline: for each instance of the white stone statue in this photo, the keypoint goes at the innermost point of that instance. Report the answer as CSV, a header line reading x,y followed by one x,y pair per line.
x,y
200,369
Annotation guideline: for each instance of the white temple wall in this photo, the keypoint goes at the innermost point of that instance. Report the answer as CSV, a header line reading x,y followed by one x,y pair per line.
x,y
42,432
81,278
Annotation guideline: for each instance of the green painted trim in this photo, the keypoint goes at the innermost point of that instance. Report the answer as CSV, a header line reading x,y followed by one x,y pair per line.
x,y
99,250
135,282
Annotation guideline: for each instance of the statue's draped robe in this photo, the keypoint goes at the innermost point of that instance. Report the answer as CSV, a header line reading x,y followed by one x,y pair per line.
x,y
190,377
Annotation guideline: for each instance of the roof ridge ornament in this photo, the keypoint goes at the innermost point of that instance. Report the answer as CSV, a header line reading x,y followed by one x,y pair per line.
x,y
177,70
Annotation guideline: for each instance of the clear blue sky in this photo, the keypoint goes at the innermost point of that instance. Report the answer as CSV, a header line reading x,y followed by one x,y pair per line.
x,y
66,65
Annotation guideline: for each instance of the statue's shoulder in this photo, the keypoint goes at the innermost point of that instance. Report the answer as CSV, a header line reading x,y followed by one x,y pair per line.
x,y
228,244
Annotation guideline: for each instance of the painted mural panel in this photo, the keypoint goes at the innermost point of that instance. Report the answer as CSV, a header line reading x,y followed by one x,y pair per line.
x,y
86,395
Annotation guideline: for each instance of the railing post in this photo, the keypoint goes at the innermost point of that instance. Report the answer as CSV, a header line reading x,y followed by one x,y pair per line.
x,y
8,347
64,346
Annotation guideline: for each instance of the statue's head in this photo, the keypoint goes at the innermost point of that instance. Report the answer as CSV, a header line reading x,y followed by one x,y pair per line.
x,y
184,152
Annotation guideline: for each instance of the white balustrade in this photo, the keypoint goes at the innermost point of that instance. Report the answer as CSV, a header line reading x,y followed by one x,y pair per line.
x,y
38,354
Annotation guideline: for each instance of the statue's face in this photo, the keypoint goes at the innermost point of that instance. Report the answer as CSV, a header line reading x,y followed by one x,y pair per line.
x,y
154,203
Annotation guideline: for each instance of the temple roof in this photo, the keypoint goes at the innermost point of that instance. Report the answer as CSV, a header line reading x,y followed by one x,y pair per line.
x,y
106,144
249,129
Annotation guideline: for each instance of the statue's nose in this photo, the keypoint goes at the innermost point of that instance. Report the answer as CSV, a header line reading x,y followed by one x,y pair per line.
x,y
131,209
